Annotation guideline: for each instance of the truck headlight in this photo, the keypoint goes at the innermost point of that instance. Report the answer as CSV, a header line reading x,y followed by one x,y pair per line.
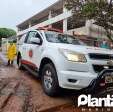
x,y
73,56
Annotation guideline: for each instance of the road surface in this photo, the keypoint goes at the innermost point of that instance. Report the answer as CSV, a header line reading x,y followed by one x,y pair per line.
x,y
21,92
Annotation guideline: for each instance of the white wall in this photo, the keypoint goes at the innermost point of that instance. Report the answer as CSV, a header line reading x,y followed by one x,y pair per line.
x,y
4,45
90,30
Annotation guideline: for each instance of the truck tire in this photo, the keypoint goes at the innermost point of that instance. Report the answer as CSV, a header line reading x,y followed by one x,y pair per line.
x,y
49,80
20,66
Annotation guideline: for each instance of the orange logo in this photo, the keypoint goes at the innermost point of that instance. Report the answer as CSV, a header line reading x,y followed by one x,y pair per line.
x,y
30,53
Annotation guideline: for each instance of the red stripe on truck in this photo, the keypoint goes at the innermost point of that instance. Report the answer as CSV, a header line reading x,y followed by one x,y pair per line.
x,y
28,63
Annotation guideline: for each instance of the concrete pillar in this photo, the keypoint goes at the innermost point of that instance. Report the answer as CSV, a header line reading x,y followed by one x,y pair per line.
x,y
49,17
50,14
65,25
18,29
30,24
89,24
65,22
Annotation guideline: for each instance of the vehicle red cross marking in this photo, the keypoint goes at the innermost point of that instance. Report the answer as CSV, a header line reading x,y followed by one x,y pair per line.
x,y
31,53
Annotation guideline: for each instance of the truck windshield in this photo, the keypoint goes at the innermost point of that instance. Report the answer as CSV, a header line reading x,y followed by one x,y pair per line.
x,y
55,37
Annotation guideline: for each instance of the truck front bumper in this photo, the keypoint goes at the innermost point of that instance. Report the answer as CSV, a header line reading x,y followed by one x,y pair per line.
x,y
75,80
100,83
82,80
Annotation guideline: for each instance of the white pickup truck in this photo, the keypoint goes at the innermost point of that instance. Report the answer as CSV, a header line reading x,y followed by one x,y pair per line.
x,y
61,60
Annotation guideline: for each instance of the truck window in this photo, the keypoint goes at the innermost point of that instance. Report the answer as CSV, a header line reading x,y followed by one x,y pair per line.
x,y
38,36
62,38
21,39
30,35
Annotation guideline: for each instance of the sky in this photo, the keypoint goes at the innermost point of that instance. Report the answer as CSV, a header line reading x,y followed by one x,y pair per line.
x,y
13,12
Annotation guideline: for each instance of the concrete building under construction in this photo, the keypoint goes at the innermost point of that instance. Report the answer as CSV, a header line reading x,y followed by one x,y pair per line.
x,y
57,16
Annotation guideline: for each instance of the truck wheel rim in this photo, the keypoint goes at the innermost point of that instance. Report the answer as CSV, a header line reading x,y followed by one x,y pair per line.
x,y
48,79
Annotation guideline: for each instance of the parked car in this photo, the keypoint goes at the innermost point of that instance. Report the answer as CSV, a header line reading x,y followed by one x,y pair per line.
x,y
61,60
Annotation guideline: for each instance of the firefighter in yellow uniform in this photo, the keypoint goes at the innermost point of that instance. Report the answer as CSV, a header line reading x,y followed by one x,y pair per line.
x,y
11,53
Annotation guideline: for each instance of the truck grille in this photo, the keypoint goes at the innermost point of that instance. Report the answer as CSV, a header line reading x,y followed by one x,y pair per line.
x,y
99,68
100,56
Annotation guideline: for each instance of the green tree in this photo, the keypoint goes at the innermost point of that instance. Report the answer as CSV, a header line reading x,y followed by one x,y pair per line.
x,y
101,11
5,33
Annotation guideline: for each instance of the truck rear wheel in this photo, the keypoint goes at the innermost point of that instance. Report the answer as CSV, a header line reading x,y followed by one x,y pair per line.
x,y
49,80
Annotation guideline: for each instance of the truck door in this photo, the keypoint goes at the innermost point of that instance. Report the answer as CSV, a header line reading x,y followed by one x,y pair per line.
x,y
27,51
36,50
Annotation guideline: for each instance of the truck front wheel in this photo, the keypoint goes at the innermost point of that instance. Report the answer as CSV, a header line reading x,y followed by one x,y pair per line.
x,y
49,80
